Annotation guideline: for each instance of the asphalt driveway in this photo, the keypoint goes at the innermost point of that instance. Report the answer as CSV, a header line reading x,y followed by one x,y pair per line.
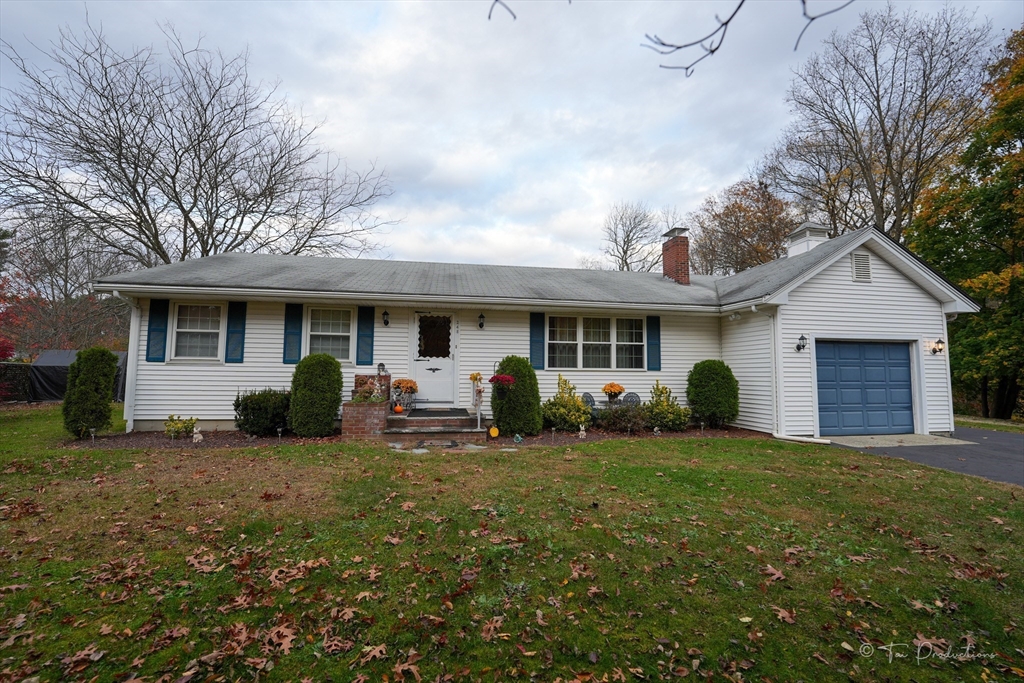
x,y
998,456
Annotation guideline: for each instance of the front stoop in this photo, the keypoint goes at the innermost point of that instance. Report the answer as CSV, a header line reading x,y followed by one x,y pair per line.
x,y
441,428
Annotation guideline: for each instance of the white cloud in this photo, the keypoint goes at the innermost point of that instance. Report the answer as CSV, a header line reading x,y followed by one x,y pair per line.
x,y
506,141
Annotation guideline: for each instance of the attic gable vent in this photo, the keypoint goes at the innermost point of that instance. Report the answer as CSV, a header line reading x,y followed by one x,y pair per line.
x,y
861,267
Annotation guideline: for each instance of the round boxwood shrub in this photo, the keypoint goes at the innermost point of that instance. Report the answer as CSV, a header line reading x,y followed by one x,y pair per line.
x,y
519,411
316,395
89,391
713,393
260,413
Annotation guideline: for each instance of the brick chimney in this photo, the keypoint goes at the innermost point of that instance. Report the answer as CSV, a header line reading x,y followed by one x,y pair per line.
x,y
675,255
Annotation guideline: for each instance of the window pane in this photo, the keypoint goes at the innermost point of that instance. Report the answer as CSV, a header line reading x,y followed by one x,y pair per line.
x,y
629,331
195,345
328,321
561,329
629,356
598,330
335,345
199,318
435,336
561,355
597,355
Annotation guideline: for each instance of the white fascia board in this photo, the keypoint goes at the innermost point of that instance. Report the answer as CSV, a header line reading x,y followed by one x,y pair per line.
x,y
392,299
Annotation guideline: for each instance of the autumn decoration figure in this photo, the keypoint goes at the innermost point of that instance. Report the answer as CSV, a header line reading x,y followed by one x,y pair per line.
x,y
403,394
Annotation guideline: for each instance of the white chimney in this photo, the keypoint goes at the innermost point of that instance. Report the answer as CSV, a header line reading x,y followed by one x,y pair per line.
x,y
805,238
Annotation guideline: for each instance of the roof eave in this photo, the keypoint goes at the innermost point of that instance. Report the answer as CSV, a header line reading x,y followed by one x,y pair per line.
x,y
391,299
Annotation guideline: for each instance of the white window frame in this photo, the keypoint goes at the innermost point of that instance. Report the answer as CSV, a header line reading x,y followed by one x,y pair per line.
x,y
579,342
172,354
352,330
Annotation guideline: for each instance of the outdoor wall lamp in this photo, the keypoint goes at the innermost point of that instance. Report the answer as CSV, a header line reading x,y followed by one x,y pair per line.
x,y
385,318
480,322
801,343
938,347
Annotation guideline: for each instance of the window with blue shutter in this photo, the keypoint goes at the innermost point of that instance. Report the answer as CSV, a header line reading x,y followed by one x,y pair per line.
x,y
364,335
156,336
537,341
234,348
292,333
654,342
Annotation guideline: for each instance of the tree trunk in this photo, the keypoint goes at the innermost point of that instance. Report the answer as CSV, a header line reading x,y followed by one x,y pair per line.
x,y
984,397
1006,397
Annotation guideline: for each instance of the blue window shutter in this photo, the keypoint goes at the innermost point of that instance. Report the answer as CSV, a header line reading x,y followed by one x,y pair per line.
x,y
292,333
364,336
654,342
234,348
156,337
537,341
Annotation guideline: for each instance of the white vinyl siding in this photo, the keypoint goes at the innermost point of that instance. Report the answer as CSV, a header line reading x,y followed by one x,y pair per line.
x,y
747,349
830,306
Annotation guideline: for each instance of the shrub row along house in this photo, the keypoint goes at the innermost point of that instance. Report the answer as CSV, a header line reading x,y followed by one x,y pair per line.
x,y
842,336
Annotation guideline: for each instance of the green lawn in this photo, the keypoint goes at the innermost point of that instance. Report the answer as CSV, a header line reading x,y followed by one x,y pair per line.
x,y
621,560
999,426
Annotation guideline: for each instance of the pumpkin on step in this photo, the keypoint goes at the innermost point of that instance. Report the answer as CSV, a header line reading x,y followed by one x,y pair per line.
x,y
399,409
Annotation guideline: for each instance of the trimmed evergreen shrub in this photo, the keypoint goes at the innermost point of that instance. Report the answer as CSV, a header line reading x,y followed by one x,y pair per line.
x,y
622,419
565,410
260,413
663,410
519,411
316,395
713,393
89,392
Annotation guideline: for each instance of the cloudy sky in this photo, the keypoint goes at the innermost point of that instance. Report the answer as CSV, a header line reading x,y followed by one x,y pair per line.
x,y
506,141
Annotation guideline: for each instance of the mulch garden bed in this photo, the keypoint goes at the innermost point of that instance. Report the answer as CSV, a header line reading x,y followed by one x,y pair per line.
x,y
234,439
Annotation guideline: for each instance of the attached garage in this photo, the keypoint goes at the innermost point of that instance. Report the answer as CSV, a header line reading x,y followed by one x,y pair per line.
x,y
864,388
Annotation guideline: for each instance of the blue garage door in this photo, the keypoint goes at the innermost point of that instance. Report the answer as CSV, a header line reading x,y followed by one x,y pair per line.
x,y
864,388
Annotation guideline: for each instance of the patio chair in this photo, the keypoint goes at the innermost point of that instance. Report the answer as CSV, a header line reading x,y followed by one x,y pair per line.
x,y
631,399
588,399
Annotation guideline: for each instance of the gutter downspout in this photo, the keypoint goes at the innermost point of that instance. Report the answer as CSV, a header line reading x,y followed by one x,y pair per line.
x,y
801,439
133,360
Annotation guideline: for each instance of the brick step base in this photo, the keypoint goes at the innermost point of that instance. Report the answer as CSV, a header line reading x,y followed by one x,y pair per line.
x,y
430,434
398,422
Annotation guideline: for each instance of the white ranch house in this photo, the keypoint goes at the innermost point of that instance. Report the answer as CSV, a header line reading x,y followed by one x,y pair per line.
x,y
842,336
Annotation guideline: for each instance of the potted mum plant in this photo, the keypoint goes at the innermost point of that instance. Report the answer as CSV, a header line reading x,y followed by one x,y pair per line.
x,y
501,384
612,390
403,393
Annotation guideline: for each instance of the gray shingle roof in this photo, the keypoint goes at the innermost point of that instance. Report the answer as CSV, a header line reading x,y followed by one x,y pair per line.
x,y
410,279
763,280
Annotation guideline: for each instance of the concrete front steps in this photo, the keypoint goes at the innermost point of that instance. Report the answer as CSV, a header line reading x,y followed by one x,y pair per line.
x,y
434,428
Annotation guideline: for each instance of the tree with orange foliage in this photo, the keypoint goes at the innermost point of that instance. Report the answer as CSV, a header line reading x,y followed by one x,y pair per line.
x,y
971,227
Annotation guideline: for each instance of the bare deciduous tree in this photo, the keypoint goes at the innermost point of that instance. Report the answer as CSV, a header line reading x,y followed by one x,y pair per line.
x,y
632,237
745,226
880,111
163,160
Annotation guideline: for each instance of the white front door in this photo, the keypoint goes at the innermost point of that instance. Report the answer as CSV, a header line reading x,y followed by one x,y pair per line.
x,y
434,342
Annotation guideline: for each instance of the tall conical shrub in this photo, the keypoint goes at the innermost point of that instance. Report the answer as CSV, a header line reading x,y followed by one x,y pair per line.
x,y
316,395
89,392
519,411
